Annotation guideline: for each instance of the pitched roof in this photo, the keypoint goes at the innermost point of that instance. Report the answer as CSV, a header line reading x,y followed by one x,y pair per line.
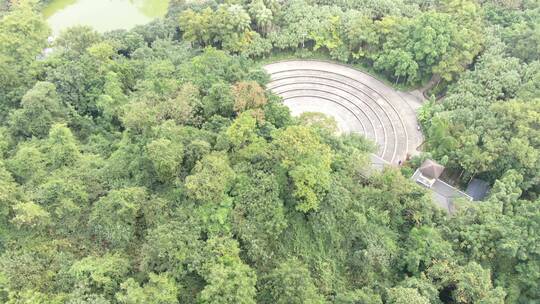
x,y
443,194
431,169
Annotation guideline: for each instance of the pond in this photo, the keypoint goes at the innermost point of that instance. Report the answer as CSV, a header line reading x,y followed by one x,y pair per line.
x,y
103,15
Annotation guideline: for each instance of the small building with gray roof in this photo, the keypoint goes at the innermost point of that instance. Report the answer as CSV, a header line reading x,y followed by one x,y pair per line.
x,y
427,175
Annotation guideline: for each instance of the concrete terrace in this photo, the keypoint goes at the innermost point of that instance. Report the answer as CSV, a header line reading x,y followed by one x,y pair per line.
x,y
357,101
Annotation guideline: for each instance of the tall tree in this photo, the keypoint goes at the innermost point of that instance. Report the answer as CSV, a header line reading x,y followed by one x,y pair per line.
x,y
211,179
40,109
160,289
23,35
100,274
166,157
290,282
113,219
307,161
228,279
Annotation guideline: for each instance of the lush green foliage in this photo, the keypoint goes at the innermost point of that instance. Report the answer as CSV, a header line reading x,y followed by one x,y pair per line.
x,y
487,124
136,167
406,41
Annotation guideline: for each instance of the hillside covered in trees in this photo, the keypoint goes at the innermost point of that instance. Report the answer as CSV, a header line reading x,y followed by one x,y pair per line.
x,y
152,166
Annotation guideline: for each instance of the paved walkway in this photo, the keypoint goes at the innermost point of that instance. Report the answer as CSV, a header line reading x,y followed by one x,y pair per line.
x,y
357,101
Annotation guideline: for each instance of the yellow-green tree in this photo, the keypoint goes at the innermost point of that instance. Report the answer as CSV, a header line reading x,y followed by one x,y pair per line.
x,y
307,161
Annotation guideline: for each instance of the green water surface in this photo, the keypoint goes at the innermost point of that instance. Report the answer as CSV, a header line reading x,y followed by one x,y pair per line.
x,y
103,15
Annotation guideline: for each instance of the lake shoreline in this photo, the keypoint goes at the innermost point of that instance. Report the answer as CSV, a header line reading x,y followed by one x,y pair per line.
x,y
102,15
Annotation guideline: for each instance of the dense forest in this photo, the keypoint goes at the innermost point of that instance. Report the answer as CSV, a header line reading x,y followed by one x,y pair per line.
x,y
152,166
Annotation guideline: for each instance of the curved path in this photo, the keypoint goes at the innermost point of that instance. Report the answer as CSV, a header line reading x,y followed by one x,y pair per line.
x,y
357,101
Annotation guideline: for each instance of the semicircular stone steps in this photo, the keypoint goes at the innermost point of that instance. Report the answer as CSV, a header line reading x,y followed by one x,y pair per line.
x,y
358,102
371,126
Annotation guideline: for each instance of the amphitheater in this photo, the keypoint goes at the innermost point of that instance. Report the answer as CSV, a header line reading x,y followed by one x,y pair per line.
x,y
358,102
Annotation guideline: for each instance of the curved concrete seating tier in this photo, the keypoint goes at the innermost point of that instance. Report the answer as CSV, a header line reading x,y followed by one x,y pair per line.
x,y
358,102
